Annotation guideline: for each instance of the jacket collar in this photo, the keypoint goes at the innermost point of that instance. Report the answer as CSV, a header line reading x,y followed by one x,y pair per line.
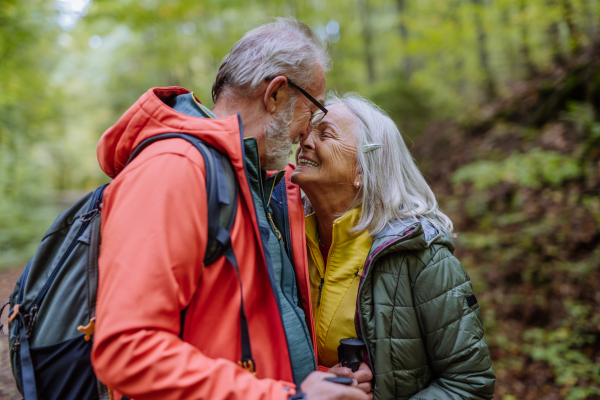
x,y
400,227
341,227
189,105
348,249
410,234
259,181
153,115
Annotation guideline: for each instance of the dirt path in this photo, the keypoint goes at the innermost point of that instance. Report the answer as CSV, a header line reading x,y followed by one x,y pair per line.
x,y
8,390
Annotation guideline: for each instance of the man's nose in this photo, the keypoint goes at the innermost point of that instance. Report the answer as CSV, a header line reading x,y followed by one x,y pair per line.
x,y
307,131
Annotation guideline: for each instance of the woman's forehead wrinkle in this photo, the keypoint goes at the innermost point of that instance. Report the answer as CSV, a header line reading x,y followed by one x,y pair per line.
x,y
328,123
341,119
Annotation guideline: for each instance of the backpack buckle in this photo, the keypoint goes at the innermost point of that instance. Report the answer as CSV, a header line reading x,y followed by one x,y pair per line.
x,y
88,329
14,314
248,365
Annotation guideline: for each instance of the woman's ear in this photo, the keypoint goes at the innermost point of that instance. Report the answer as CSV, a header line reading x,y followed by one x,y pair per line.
x,y
358,180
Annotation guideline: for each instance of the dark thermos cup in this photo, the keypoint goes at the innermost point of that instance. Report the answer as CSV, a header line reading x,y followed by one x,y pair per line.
x,y
350,353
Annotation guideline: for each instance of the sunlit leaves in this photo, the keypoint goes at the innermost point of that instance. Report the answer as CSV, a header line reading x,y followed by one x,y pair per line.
x,y
530,170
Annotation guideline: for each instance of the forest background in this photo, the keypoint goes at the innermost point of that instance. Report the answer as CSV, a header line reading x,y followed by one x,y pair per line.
x,y
498,100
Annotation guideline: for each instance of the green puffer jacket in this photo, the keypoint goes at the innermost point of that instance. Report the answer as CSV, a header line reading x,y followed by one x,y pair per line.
x,y
420,320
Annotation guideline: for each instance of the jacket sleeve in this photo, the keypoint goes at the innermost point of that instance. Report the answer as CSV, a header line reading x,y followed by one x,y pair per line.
x,y
451,325
154,234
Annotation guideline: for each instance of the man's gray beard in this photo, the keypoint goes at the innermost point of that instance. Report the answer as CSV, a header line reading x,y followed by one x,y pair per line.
x,y
277,139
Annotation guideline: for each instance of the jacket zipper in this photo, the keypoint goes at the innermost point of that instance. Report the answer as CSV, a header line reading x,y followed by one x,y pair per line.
x,y
86,221
32,311
253,207
320,291
365,273
321,285
277,232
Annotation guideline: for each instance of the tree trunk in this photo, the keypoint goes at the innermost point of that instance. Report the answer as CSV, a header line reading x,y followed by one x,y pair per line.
x,y
530,69
404,35
461,85
573,30
512,52
588,9
488,84
554,37
367,33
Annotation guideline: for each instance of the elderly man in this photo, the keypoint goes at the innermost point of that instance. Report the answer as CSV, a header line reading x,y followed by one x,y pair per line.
x,y
167,326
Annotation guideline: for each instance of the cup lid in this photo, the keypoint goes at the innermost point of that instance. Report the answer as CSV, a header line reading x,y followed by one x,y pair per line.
x,y
352,342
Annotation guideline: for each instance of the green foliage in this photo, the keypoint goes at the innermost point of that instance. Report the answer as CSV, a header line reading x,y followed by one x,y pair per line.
x,y
565,350
530,170
528,213
30,118
523,196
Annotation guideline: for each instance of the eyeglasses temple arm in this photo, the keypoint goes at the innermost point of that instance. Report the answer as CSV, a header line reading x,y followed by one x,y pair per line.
x,y
308,96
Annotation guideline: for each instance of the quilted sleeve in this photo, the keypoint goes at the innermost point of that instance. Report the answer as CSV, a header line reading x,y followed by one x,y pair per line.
x,y
451,325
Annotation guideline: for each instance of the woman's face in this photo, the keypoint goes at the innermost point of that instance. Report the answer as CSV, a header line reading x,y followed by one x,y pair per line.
x,y
327,155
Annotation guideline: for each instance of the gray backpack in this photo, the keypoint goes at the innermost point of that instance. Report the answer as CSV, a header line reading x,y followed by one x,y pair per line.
x,y
52,309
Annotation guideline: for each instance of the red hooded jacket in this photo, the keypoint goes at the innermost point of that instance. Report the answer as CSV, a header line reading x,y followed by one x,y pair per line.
x,y
154,235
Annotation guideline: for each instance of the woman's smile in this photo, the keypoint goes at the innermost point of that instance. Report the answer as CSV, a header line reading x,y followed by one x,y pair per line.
x,y
326,156
307,162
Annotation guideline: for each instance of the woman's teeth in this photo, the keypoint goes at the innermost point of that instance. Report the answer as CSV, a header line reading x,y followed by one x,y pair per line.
x,y
303,161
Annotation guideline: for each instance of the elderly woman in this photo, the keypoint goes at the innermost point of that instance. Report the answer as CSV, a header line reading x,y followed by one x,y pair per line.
x,y
380,261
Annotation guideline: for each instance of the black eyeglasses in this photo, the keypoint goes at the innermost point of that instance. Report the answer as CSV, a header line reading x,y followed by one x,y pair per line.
x,y
318,116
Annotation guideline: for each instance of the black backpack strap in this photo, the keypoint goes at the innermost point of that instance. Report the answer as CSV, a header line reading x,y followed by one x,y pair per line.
x,y
222,193
94,253
247,362
222,189
92,275
27,371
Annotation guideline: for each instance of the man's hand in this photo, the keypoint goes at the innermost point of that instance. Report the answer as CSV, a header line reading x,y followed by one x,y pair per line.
x,y
363,376
315,388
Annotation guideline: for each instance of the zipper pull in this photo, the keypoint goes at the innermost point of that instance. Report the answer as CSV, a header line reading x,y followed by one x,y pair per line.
x,y
32,316
279,237
320,291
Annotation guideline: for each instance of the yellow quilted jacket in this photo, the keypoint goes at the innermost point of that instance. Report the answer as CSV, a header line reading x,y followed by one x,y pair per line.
x,y
334,286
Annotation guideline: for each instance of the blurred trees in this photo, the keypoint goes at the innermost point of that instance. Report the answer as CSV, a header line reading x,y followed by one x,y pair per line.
x,y
31,120
521,183
503,89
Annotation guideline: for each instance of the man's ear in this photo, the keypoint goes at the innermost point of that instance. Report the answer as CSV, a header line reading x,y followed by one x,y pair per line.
x,y
276,94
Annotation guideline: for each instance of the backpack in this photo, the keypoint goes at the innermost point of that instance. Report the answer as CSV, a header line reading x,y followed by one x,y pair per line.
x,y
52,308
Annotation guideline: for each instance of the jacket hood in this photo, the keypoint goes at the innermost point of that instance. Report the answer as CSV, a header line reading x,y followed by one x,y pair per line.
x,y
422,234
151,115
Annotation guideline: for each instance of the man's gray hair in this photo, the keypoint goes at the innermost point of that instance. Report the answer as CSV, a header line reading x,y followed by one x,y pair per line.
x,y
284,46
393,188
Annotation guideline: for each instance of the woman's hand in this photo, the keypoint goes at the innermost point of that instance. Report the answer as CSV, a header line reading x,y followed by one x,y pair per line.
x,y
315,387
363,376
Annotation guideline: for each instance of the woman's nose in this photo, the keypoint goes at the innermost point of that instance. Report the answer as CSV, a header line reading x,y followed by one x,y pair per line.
x,y
307,141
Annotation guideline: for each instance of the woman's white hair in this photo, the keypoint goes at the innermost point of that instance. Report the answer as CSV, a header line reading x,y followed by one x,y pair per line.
x,y
284,46
393,188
